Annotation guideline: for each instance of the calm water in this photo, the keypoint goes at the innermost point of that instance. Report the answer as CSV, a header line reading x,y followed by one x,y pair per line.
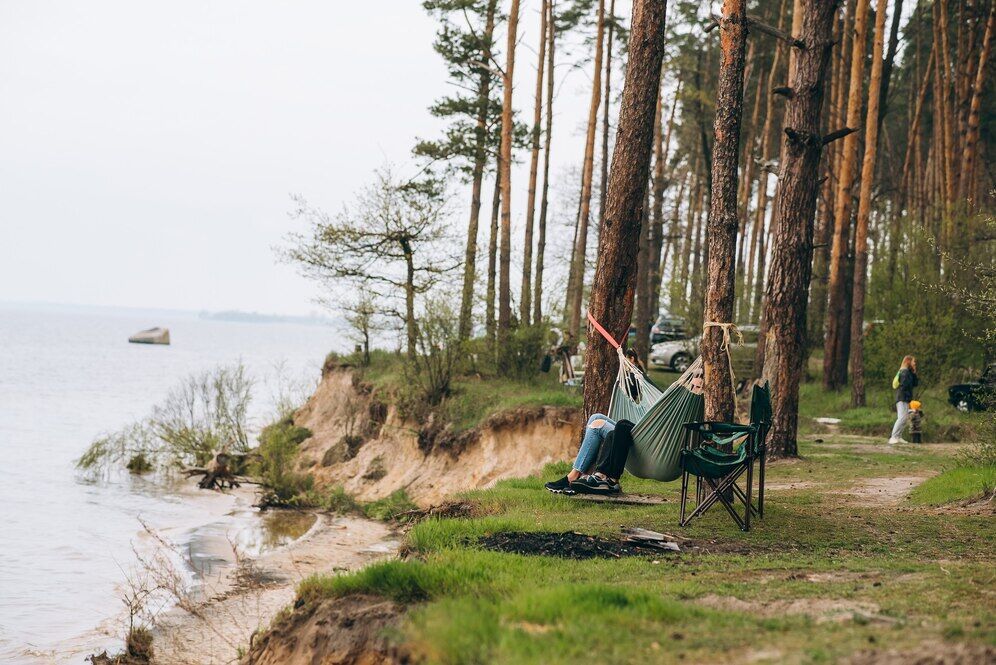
x,y
67,375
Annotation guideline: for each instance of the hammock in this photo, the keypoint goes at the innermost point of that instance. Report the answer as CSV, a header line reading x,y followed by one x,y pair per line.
x,y
659,417
659,432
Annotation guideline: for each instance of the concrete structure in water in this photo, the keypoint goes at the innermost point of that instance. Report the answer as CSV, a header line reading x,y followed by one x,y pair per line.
x,y
151,336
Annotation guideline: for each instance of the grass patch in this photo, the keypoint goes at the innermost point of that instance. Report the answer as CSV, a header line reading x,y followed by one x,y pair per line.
x,y
959,483
816,545
474,395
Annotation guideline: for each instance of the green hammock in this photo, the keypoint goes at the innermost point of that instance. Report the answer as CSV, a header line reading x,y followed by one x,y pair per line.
x,y
659,418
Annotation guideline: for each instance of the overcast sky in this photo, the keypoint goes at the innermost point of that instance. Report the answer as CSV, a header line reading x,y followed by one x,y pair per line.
x,y
148,149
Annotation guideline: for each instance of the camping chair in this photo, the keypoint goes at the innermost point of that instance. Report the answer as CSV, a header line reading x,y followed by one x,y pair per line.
x,y
720,470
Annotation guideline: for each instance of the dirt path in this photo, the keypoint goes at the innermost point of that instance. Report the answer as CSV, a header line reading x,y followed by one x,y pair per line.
x,y
247,598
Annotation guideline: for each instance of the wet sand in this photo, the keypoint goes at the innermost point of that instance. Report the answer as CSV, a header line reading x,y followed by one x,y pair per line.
x,y
216,623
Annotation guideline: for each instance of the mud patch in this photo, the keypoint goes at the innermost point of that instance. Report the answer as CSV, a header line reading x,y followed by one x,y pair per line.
x,y
350,630
882,491
566,545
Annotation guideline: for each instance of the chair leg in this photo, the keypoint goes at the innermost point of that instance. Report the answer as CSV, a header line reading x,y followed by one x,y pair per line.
x,y
684,497
748,507
760,487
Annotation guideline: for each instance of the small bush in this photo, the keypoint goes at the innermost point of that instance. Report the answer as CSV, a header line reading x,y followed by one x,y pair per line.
x,y
139,464
278,444
139,644
522,352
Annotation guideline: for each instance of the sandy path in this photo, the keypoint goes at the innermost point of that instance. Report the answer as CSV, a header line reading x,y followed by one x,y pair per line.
x,y
240,601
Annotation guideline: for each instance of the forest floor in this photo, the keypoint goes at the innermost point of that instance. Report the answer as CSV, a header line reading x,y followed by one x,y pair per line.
x,y
851,563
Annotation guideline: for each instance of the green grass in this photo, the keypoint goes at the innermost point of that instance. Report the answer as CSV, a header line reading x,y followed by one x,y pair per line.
x,y
962,482
475,396
816,544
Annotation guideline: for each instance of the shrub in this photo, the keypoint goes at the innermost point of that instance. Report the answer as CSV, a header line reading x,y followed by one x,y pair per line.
x,y
278,444
203,415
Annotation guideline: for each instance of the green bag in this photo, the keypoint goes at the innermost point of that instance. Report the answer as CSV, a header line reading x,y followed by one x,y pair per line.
x,y
895,381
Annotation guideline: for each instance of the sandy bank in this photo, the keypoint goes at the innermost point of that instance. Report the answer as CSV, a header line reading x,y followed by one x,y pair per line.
x,y
240,600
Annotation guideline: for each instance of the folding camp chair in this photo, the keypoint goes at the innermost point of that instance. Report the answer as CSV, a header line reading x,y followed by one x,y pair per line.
x,y
719,471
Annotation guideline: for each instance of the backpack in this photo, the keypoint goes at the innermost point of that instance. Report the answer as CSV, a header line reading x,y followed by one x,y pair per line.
x,y
895,381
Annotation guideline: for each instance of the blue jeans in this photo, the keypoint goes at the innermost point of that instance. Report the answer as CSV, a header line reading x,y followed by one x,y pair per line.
x,y
592,441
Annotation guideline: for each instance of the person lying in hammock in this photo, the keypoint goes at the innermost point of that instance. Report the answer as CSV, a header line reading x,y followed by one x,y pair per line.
x,y
600,460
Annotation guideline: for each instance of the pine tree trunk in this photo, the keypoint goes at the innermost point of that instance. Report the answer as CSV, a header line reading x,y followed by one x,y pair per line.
x,y
864,211
505,164
680,278
490,325
786,298
836,341
605,113
541,240
578,263
722,225
615,275
477,179
825,228
641,310
525,295
657,219
889,62
972,132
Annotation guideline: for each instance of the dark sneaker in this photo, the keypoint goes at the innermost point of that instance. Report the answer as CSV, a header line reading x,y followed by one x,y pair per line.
x,y
595,485
562,486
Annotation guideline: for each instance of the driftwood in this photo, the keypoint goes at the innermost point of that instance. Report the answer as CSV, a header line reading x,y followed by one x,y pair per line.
x,y
216,474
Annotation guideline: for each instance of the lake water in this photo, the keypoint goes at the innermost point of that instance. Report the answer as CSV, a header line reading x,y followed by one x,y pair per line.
x,y
67,375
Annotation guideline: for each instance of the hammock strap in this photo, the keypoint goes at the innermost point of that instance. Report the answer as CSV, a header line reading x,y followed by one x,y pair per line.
x,y
603,331
725,347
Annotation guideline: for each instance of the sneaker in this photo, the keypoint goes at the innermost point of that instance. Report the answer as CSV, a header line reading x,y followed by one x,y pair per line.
x,y
561,486
901,440
595,485
893,441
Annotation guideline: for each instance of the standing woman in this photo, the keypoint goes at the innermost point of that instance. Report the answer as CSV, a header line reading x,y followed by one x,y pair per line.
x,y
904,383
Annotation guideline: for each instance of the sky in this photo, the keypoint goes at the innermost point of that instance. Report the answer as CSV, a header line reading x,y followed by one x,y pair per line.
x,y
148,150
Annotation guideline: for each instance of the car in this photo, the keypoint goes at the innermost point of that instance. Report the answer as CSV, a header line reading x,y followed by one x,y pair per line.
x,y
975,395
677,355
667,328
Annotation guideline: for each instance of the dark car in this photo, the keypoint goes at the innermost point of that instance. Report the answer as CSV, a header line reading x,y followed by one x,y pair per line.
x,y
977,395
668,328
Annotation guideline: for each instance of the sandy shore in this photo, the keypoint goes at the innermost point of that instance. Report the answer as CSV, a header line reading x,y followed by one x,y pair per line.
x,y
237,601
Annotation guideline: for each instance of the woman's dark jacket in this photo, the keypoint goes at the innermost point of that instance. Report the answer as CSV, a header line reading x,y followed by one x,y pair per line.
x,y
907,382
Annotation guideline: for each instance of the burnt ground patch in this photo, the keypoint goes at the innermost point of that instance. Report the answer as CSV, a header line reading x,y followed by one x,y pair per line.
x,y
566,545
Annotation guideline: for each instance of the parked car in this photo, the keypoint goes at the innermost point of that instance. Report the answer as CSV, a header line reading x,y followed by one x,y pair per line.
x,y
668,328
975,395
677,355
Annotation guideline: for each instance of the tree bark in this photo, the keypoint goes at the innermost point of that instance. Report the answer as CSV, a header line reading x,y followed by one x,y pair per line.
x,y
490,324
656,238
578,263
615,271
525,295
505,164
477,179
968,155
889,62
864,211
836,341
641,313
795,203
541,240
722,226
605,113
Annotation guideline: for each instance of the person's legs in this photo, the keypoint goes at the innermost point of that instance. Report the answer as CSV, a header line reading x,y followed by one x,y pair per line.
x,y
902,412
594,433
612,458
